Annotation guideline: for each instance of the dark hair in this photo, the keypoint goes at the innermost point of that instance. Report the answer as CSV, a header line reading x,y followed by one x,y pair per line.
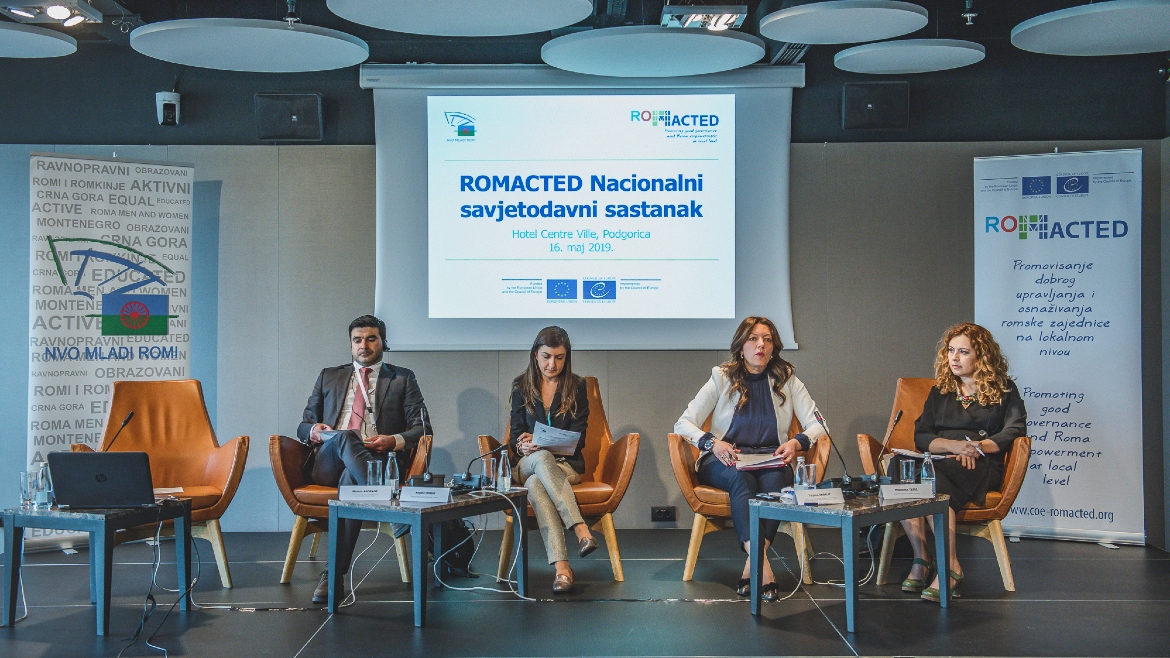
x,y
371,322
736,370
529,381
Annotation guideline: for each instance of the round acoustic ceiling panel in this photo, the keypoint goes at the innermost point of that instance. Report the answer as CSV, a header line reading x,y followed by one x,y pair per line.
x,y
843,21
26,41
1119,27
909,56
237,44
463,18
641,51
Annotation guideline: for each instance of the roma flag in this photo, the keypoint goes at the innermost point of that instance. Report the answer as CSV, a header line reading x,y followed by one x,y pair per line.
x,y
134,315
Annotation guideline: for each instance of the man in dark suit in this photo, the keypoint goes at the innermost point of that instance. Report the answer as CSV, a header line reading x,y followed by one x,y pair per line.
x,y
381,406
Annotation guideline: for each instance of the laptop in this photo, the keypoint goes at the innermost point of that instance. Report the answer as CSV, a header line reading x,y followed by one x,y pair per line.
x,y
101,480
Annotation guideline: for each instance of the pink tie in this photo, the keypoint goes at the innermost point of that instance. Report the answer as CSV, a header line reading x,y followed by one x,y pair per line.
x,y
358,410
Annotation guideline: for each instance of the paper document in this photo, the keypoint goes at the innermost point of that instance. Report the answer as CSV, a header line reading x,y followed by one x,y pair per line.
x,y
756,462
558,442
917,455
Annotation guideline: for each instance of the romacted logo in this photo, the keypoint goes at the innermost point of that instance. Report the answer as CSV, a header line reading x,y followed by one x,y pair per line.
x,y
124,312
671,119
464,124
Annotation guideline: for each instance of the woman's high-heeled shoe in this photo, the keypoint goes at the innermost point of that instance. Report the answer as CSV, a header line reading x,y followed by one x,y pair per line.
x,y
743,587
916,585
770,592
932,593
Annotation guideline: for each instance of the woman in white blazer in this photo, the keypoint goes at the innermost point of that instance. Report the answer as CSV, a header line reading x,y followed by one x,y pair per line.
x,y
751,399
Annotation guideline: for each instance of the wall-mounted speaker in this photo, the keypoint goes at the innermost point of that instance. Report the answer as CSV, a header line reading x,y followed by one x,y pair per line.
x,y
289,117
875,106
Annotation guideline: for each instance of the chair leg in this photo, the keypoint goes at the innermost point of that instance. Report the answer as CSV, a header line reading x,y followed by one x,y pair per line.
x,y
316,543
698,528
211,532
505,550
294,548
605,525
893,531
992,531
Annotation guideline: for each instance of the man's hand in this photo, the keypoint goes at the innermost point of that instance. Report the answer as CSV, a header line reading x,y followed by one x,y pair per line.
x,y
787,451
524,444
382,442
315,433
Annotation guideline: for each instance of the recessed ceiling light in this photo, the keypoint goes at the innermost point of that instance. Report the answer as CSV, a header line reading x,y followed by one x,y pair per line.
x,y
58,12
74,20
22,12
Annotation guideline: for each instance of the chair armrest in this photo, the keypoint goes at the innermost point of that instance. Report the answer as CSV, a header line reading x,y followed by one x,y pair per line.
x,y
682,462
487,443
80,447
870,449
619,464
1014,471
286,473
225,468
419,465
818,453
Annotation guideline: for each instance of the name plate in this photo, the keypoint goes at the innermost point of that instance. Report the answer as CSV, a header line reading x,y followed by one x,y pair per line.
x,y
426,495
356,494
819,497
905,492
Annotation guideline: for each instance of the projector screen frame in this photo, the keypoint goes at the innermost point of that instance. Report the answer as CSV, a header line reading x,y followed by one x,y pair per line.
x,y
757,89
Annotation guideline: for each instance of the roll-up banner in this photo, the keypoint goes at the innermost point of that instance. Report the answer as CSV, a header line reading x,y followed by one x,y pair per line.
x,y
1058,282
109,300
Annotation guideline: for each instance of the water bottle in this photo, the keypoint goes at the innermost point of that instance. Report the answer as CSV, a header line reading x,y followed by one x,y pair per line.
x,y
392,475
43,494
798,481
927,476
504,475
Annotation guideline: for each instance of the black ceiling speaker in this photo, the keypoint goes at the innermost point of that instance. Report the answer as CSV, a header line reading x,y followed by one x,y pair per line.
x,y
875,106
289,117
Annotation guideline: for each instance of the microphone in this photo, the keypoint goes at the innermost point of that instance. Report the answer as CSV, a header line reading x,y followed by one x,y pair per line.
x,y
119,432
845,479
427,477
467,473
897,417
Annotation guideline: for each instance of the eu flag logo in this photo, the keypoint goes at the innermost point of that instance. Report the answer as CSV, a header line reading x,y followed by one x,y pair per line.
x,y
599,289
1072,184
1036,185
561,289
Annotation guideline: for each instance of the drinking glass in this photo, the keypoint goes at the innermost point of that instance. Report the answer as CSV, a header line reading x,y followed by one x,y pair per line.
x,y
810,476
485,481
26,489
392,475
374,473
907,470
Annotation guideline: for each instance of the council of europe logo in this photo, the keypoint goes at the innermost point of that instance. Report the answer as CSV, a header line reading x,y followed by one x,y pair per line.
x,y
599,289
464,124
1072,184
561,289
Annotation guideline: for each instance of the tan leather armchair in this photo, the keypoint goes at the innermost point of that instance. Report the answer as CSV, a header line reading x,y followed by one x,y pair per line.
x,y
609,465
712,506
310,502
975,520
171,425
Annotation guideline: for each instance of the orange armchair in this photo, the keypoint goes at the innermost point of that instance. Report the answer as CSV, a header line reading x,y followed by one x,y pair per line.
x,y
712,507
310,502
171,425
975,520
609,465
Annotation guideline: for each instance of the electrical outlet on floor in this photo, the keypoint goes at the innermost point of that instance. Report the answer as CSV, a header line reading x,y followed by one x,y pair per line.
x,y
663,514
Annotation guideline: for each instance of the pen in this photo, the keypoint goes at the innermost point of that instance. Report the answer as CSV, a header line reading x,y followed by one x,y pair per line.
x,y
976,445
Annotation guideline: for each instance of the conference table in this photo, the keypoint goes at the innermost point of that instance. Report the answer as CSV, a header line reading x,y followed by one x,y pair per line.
x,y
103,526
850,517
423,518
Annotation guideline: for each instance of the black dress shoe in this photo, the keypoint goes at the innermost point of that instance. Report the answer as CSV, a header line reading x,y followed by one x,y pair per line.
x,y
321,594
743,587
586,546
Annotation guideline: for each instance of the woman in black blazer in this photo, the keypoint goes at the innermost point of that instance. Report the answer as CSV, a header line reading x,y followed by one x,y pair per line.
x,y
973,414
548,392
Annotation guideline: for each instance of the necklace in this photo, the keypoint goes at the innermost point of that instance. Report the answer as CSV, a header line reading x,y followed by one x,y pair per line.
x,y
966,400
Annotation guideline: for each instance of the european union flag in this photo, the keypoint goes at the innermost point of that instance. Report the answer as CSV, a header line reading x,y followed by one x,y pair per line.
x,y
1072,184
1036,185
599,289
561,289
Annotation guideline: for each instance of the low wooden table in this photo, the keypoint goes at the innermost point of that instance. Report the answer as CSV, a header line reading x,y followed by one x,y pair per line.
x,y
102,525
421,520
855,514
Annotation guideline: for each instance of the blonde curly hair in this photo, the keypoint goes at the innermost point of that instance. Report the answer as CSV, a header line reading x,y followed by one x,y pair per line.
x,y
991,367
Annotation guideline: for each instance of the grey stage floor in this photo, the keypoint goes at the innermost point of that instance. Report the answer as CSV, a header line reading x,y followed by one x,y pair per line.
x,y
1072,599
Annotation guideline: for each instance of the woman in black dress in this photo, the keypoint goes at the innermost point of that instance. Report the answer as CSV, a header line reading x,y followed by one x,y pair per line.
x,y
973,414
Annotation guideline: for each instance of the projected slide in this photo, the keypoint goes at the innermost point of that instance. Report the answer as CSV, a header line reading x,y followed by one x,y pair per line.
x,y
581,206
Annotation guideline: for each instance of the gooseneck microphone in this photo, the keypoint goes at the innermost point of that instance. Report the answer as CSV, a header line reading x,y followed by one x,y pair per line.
x,y
119,432
890,433
845,479
467,473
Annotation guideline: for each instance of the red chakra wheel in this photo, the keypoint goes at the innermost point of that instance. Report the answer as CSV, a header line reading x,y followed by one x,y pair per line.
x,y
135,315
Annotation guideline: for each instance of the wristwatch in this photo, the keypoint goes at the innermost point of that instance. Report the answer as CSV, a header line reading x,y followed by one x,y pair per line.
x,y
706,443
